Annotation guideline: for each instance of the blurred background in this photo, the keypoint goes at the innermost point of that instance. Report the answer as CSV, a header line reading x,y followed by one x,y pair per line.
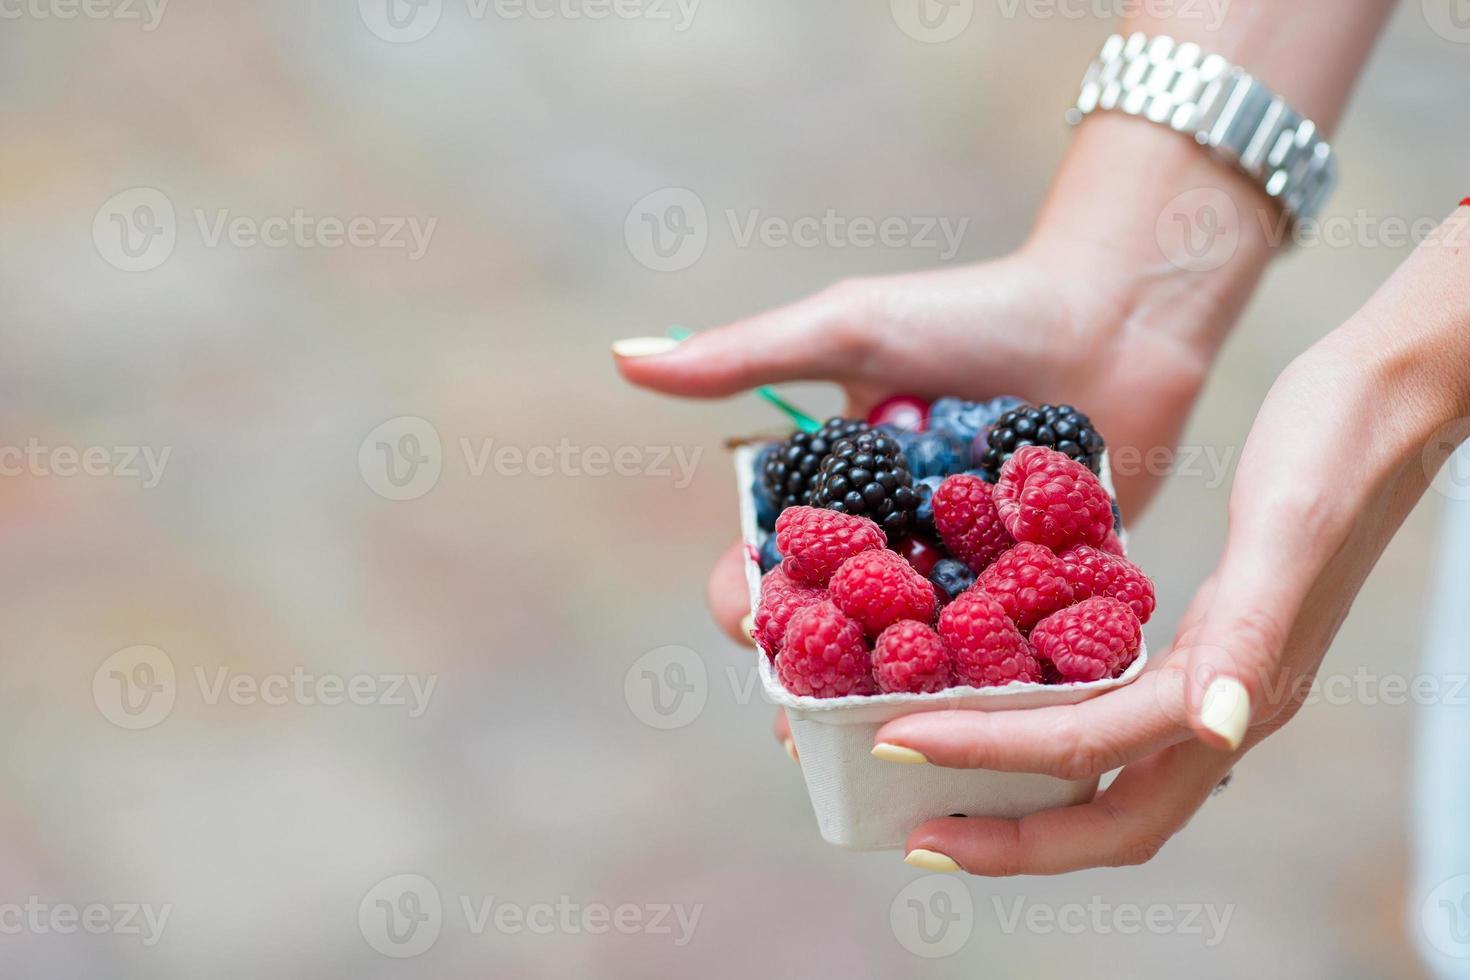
x,y
336,550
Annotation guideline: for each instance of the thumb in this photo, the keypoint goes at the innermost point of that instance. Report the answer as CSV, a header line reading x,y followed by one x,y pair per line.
x,y
822,338
1233,652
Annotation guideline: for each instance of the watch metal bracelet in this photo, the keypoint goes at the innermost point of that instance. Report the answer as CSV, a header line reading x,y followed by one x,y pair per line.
x,y
1223,107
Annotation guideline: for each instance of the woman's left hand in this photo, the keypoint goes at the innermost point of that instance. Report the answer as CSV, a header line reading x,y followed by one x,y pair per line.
x,y
1345,444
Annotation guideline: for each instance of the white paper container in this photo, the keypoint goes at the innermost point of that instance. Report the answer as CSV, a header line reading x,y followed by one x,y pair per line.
x,y
866,804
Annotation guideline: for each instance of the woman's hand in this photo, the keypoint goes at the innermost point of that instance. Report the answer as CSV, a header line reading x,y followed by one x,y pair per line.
x,y
1344,446
1090,311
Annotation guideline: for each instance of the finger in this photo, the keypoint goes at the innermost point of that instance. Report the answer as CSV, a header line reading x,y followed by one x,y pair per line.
x,y
781,728
1073,741
1232,654
1146,805
823,337
728,594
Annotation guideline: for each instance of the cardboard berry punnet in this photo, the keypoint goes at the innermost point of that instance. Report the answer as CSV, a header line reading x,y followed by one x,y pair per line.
x,y
867,804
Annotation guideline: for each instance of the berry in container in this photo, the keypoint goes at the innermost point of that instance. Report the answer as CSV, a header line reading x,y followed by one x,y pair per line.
x,y
997,583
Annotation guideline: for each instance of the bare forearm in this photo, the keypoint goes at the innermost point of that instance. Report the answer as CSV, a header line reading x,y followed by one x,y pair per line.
x,y
1127,185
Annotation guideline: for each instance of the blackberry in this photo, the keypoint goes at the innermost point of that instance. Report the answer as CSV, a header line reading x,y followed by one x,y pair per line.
x,y
868,476
789,471
1059,427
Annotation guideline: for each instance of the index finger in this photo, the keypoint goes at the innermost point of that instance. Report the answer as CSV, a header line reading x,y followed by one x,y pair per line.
x,y
1073,741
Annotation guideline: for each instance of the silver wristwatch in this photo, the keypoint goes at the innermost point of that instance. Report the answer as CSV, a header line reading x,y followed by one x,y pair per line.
x,y
1240,120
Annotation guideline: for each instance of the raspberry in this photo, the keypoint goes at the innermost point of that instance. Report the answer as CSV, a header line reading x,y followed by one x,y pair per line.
x,y
823,654
1047,498
1029,582
816,541
878,588
909,658
1093,573
987,648
781,599
968,522
1113,544
1094,639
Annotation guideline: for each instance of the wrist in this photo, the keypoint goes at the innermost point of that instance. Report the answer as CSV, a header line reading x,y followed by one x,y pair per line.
x,y
1174,248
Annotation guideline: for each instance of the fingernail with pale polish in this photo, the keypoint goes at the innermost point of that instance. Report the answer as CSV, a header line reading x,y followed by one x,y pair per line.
x,y
790,747
1226,710
747,627
643,346
897,753
930,860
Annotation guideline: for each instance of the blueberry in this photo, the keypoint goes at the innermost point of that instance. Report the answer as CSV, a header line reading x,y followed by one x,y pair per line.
x,y
951,577
932,454
925,488
766,510
770,555
1117,517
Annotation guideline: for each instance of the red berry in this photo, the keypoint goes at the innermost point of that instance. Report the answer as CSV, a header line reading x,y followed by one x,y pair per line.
x,y
920,552
909,658
815,541
1047,498
1094,639
907,413
878,588
1092,572
823,654
1029,582
987,648
1113,545
967,520
781,599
